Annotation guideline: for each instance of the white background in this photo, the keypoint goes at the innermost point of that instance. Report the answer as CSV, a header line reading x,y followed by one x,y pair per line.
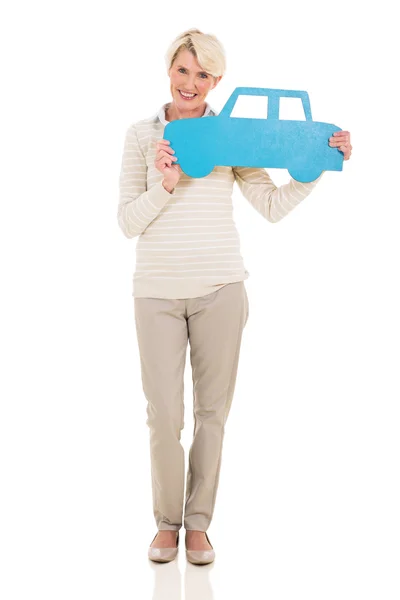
x,y
309,488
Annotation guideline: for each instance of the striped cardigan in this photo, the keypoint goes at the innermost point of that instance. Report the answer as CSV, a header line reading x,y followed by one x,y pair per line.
x,y
188,244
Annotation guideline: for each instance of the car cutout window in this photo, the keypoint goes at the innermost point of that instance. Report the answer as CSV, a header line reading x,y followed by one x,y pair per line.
x,y
291,109
250,107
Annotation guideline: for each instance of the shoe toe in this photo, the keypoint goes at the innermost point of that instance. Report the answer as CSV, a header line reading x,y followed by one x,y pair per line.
x,y
200,557
162,554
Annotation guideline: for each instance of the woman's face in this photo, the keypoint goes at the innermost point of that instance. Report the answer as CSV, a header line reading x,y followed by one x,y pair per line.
x,y
186,75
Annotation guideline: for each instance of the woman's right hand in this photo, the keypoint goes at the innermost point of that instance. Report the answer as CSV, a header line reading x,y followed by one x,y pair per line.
x,y
164,163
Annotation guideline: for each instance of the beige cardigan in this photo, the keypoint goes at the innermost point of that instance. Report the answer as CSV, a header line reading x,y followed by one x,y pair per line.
x,y
188,244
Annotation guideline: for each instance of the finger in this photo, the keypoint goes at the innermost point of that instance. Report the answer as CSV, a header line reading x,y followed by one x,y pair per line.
x,y
164,143
165,161
163,157
167,148
167,156
338,143
341,136
165,166
341,132
162,153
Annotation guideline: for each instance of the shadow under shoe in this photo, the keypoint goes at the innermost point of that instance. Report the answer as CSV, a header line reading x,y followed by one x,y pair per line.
x,y
201,557
163,554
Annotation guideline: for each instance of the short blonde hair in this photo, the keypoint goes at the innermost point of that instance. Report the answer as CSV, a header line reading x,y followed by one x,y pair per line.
x,y
205,47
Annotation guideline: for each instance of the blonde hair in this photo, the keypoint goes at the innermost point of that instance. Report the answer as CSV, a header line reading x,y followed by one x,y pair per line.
x,y
205,47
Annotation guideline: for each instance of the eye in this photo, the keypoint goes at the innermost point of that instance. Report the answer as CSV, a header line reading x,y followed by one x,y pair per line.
x,y
203,75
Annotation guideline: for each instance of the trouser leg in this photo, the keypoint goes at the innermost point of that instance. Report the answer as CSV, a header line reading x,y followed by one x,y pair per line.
x,y
162,338
215,325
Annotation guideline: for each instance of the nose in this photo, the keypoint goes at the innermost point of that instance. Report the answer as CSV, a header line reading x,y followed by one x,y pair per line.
x,y
191,82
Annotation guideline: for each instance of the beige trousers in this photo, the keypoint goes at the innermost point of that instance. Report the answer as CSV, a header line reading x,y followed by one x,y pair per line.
x,y
213,324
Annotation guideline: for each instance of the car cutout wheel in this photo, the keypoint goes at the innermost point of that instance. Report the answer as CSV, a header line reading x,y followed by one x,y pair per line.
x,y
205,171
194,171
305,175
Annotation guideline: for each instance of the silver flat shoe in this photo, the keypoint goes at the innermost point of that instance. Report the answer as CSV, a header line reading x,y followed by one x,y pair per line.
x,y
163,554
201,557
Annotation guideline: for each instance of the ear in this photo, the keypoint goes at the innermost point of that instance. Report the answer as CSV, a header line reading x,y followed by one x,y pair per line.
x,y
216,81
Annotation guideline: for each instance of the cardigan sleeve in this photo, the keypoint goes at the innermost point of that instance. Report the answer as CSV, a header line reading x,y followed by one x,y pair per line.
x,y
137,206
272,202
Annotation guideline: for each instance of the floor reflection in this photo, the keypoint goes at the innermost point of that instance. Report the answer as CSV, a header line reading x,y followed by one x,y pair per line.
x,y
168,584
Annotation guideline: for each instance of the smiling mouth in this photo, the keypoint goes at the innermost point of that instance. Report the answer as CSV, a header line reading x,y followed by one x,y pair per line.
x,y
190,97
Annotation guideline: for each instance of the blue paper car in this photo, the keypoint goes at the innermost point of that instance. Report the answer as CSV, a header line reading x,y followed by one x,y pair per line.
x,y
301,147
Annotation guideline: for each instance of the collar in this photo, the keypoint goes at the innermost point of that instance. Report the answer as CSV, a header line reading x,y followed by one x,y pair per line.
x,y
161,113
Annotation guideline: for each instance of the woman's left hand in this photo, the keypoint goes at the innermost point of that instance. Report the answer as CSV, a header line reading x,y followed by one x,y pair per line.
x,y
341,140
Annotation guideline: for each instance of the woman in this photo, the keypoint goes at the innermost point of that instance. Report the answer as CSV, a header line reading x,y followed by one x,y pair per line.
x,y
189,286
